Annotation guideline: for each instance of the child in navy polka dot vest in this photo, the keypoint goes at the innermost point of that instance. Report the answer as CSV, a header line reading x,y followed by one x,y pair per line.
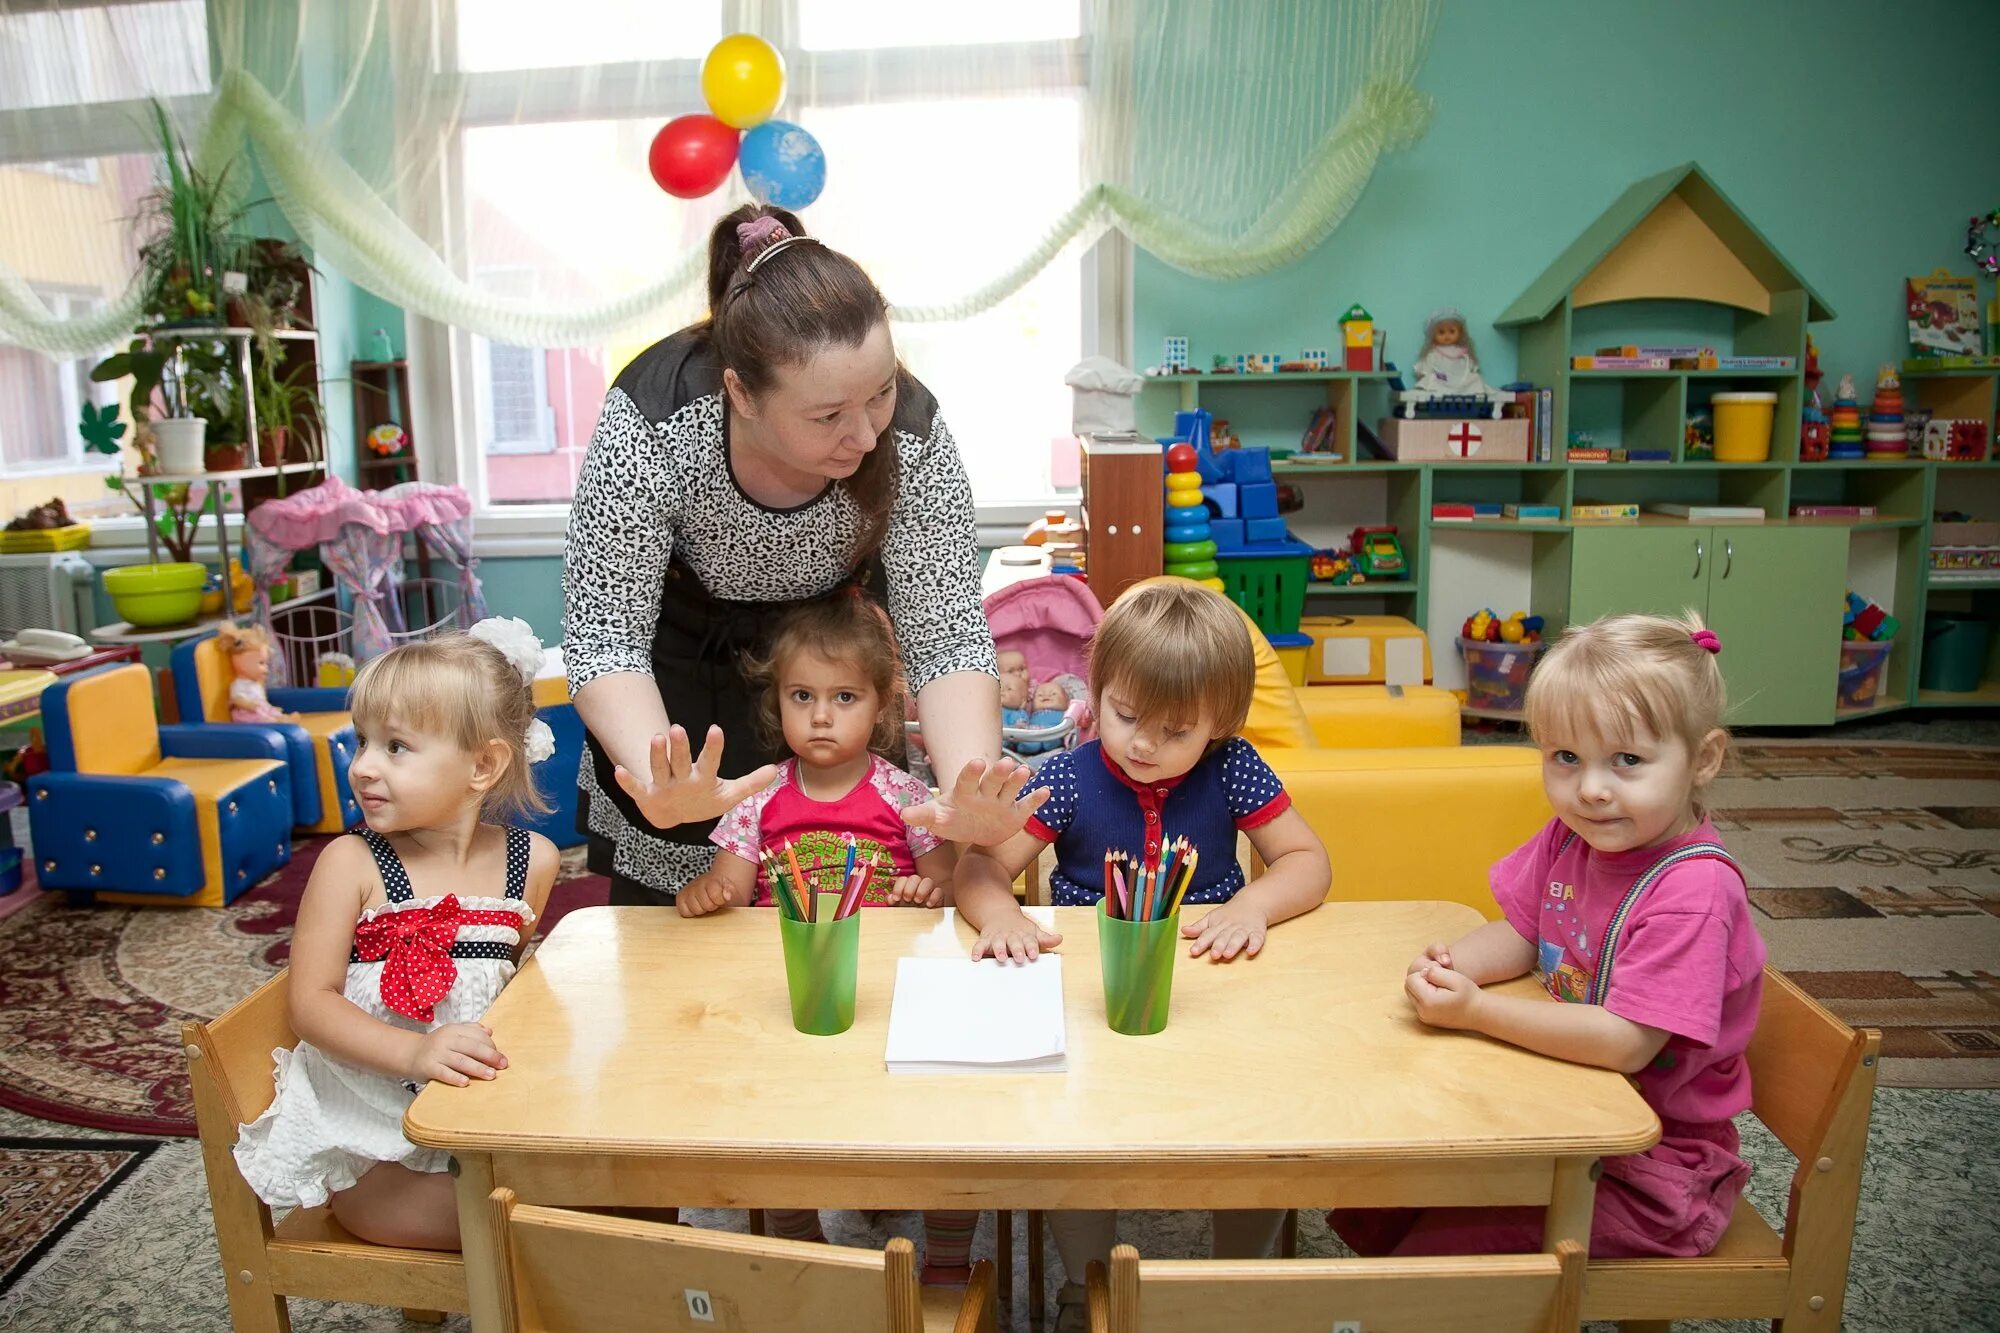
x,y
1171,675
407,932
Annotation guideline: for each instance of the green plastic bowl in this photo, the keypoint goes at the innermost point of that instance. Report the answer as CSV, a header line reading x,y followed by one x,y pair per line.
x,y
153,595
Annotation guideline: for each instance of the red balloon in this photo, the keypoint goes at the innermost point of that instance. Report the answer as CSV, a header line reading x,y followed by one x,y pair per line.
x,y
1181,457
692,155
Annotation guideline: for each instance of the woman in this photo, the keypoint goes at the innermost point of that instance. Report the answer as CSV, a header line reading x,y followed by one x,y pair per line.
x,y
774,454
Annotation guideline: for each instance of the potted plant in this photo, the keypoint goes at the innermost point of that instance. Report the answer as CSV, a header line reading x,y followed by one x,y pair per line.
x,y
189,237
288,409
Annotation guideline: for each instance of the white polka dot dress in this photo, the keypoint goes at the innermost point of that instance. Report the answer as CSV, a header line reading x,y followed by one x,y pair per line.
x,y
434,961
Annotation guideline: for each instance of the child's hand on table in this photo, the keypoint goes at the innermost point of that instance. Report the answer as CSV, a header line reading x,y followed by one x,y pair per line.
x,y
1233,928
704,894
1014,937
456,1054
915,891
1436,953
1444,998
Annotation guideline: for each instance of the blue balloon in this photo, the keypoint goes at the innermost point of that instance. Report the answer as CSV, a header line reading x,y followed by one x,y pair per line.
x,y
782,165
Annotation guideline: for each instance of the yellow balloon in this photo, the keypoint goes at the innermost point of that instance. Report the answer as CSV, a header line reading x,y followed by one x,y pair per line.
x,y
743,80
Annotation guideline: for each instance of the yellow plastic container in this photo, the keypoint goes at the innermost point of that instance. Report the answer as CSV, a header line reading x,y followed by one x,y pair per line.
x,y
1743,426
1292,651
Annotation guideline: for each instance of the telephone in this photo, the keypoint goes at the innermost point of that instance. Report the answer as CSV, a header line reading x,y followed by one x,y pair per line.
x,y
34,647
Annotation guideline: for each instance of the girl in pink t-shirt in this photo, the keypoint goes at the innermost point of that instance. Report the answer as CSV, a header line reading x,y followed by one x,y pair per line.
x,y
1635,918
830,690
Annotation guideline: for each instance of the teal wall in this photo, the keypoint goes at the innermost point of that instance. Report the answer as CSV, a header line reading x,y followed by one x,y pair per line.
x,y
1856,135
529,587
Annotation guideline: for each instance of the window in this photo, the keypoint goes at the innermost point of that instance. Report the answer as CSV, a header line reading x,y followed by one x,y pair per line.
x,y
125,53
41,399
938,190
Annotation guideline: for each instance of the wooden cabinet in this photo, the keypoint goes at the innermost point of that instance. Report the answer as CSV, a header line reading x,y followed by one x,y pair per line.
x,y
1124,496
1772,595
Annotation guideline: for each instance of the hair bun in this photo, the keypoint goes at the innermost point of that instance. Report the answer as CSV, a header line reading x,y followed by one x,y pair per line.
x,y
759,234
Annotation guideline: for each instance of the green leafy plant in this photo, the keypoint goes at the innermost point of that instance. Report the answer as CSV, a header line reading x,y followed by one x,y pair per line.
x,y
189,235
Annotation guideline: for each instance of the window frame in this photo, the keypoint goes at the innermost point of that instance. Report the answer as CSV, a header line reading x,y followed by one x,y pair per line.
x,y
447,392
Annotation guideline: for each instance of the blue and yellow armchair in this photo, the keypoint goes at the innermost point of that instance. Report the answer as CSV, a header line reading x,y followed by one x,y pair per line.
x,y
131,811
318,746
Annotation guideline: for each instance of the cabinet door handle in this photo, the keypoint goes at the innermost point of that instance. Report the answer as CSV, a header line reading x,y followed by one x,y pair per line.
x,y
1728,556
1697,559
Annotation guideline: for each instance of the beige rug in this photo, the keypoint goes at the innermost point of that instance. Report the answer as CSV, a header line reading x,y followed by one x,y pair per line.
x,y
1875,870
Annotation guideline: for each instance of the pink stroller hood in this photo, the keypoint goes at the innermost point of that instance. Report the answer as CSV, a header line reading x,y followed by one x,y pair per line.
x,y
1048,620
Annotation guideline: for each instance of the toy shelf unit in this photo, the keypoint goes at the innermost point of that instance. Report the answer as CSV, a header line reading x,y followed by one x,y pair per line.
x,y
382,395
1273,410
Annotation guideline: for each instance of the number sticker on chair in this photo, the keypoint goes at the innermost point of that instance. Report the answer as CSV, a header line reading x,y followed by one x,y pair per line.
x,y
699,1305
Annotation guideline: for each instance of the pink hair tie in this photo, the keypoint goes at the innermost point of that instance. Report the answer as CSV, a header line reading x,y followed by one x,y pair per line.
x,y
1705,638
759,231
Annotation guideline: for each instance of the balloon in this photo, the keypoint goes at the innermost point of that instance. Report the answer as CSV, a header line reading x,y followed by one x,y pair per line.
x,y
782,165
692,155
743,80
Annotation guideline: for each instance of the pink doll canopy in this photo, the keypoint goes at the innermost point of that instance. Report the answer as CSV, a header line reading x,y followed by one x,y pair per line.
x,y
441,516
1049,621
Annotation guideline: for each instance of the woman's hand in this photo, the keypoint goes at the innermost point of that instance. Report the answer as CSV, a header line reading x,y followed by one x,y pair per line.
x,y
679,790
1233,928
704,894
981,809
1014,936
456,1054
915,891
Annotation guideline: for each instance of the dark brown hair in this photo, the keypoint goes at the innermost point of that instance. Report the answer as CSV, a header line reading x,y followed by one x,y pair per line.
x,y
846,627
809,297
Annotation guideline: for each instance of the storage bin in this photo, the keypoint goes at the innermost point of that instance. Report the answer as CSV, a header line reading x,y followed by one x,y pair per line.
x,y
1954,651
1863,663
1743,426
1365,650
1292,651
1268,580
1496,674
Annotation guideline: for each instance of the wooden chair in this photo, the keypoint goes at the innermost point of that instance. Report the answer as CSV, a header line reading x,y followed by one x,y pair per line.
x,y
309,1254
1812,1084
1515,1293
565,1270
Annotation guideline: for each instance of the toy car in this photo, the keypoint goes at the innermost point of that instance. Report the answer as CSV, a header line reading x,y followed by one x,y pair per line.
x,y
1378,552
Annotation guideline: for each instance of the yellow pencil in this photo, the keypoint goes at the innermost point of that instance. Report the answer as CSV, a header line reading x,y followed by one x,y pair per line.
x,y
1187,878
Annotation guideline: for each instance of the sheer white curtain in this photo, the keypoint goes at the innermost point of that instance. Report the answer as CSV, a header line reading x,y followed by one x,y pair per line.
x,y
481,163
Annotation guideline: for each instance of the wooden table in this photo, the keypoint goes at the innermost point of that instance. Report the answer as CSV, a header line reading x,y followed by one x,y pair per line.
x,y
652,1062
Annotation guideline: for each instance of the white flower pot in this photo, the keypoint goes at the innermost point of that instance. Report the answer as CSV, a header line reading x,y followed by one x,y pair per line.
x,y
180,442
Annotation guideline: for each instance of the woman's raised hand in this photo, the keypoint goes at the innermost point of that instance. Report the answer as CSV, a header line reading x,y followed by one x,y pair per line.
x,y
980,809
684,790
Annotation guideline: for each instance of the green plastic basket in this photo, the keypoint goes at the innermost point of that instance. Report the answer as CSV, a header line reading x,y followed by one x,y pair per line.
x,y
1270,589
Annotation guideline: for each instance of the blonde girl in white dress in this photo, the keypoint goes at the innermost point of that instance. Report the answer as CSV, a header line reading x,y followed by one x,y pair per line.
x,y
407,932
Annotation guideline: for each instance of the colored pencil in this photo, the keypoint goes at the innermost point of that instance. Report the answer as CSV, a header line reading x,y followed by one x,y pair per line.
x,y
1187,878
1110,903
804,885
850,893
775,879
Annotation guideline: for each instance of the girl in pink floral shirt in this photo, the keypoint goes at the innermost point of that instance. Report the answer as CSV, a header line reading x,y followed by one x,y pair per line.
x,y
1627,713
830,690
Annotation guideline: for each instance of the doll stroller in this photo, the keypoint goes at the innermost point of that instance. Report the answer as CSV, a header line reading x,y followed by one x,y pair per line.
x,y
1049,621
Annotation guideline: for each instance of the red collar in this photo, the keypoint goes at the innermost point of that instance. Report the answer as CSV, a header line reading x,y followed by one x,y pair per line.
x,y
1143,788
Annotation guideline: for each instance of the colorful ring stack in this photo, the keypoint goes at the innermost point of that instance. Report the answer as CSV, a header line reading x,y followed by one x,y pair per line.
x,y
1189,552
1844,440
1885,420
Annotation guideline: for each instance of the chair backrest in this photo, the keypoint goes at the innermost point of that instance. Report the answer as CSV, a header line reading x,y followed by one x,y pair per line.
x,y
1277,721
201,680
1526,1293
236,1048
103,722
567,1270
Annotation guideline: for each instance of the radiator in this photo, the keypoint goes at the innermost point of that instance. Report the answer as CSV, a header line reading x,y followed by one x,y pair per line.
x,y
54,590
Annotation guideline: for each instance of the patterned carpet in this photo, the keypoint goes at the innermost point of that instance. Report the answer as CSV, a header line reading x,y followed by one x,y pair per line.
x,y
47,1186
92,999
1875,870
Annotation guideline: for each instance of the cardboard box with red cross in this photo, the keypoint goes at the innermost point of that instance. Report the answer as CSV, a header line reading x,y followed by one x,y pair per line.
x,y
1427,440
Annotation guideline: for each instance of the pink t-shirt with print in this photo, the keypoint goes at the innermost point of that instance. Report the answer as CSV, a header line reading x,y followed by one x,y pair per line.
x,y
1689,959
782,813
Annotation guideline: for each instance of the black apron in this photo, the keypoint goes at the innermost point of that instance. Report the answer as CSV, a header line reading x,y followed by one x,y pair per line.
x,y
700,646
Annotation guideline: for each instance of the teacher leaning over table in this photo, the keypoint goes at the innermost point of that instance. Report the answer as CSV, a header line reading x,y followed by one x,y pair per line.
x,y
774,454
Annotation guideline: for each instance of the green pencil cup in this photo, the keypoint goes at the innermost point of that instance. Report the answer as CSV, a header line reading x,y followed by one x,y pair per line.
x,y
821,960
1138,959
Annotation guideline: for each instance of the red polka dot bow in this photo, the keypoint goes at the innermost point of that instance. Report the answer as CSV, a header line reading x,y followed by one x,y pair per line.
x,y
416,942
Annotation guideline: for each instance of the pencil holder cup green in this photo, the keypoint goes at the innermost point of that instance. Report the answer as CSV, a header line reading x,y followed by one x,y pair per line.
x,y
821,960
1138,960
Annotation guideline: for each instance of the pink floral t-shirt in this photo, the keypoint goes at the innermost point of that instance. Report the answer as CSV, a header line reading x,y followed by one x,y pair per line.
x,y
1688,959
783,814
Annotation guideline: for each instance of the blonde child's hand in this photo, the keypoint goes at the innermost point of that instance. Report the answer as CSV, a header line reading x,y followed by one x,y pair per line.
x,y
456,1054
915,891
1444,998
1233,928
704,894
1014,937
1436,953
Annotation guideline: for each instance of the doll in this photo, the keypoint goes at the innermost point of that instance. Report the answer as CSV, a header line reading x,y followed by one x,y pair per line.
x,y
1047,705
249,654
1448,365
1013,698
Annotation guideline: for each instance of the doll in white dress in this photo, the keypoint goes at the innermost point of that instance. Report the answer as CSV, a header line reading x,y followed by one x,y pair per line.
x,y
248,651
1448,367
408,930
